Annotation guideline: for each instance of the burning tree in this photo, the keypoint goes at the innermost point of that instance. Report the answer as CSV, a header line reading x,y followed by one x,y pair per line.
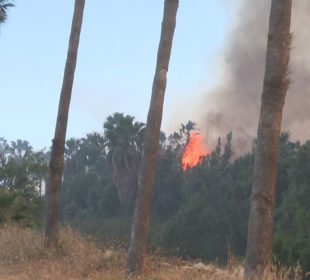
x,y
194,152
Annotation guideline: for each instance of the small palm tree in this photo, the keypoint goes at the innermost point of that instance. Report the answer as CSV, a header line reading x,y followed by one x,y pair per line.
x,y
124,139
4,5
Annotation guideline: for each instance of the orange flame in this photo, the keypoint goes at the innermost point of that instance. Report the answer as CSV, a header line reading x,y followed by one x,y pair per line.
x,y
194,152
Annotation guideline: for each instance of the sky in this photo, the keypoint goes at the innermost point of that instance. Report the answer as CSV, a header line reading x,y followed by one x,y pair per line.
x,y
116,63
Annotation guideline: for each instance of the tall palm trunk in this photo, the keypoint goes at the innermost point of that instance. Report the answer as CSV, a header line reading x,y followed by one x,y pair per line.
x,y
57,154
259,246
138,241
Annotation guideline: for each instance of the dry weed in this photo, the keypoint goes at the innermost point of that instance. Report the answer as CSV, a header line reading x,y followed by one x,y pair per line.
x,y
19,244
23,257
24,248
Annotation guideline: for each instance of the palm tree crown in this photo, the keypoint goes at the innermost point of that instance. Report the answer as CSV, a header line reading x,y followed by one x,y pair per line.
x,y
124,140
4,5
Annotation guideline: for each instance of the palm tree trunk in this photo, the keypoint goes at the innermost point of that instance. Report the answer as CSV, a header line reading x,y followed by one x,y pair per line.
x,y
57,154
138,241
259,244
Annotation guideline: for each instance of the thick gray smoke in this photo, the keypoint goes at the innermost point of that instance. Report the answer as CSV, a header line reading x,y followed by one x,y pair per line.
x,y
234,104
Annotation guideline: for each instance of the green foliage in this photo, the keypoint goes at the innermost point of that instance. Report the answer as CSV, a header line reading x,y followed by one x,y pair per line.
x,y
286,162
22,208
22,173
21,169
89,197
167,192
214,212
124,139
291,242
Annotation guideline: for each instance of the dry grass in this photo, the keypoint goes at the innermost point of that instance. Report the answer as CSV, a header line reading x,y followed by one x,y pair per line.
x,y
22,256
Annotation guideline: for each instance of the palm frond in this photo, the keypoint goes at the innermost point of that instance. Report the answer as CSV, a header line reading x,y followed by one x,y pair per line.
x,y
4,5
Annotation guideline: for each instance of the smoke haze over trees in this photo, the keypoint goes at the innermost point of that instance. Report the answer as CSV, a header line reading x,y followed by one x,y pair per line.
x,y
233,104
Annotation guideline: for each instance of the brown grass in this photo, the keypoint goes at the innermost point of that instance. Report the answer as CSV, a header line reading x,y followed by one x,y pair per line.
x,y
22,256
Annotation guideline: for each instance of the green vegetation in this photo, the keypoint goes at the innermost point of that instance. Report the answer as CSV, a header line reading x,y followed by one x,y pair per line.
x,y
196,214
22,175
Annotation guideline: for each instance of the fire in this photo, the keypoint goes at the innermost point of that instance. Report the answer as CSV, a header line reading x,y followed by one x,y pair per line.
x,y
194,152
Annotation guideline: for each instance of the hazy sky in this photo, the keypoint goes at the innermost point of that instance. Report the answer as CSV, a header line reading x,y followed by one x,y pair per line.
x,y
116,62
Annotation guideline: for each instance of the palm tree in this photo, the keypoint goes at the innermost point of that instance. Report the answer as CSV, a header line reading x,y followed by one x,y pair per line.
x,y
138,241
124,139
57,153
259,246
4,5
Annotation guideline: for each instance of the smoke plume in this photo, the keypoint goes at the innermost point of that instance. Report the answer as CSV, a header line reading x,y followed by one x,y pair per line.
x,y
234,104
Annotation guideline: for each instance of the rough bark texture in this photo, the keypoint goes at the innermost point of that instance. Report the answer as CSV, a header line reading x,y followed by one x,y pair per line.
x,y
138,241
57,154
259,246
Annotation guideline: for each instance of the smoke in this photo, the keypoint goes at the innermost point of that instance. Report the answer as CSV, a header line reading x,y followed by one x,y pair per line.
x,y
233,105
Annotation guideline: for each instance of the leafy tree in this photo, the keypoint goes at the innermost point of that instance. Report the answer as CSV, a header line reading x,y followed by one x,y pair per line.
x,y
88,191
57,153
178,140
138,241
22,173
292,229
21,207
124,139
259,247
288,152
84,154
214,211
21,169
238,202
167,193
